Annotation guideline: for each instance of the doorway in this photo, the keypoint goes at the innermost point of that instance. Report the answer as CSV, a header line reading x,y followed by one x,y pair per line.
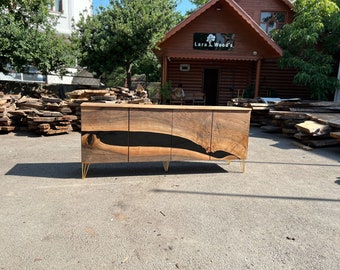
x,y
211,85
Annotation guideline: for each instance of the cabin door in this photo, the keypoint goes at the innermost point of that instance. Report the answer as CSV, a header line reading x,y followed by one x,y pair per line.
x,y
211,85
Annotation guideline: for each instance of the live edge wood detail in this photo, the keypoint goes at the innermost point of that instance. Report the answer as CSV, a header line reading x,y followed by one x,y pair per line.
x,y
139,133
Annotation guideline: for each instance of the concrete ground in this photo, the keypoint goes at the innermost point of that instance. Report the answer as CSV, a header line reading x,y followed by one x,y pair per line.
x,y
282,213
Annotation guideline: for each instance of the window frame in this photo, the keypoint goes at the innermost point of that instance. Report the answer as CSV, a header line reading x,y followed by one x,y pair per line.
x,y
53,6
273,18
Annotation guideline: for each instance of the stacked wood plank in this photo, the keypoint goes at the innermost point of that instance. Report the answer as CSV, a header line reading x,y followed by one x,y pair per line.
x,y
7,104
310,122
260,109
47,114
287,120
110,95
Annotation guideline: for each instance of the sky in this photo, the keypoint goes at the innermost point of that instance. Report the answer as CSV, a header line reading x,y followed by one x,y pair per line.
x,y
183,6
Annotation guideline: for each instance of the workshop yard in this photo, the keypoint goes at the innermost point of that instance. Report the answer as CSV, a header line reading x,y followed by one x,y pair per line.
x,y
282,213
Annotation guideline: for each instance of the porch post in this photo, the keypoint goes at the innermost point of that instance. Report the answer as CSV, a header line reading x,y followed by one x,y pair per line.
x,y
164,70
257,80
337,91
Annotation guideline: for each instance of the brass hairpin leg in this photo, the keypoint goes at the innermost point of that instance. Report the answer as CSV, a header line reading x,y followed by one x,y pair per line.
x,y
84,169
166,165
243,165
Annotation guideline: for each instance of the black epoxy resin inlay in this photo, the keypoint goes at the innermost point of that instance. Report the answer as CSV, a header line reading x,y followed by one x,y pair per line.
x,y
149,139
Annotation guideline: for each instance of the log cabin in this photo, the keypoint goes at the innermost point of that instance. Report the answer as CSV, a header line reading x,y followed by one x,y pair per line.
x,y
223,50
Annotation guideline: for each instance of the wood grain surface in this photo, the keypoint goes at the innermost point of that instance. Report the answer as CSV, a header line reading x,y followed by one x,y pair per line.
x,y
133,133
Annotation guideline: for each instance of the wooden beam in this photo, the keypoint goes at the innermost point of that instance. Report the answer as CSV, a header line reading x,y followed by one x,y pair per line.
x,y
257,80
165,70
335,134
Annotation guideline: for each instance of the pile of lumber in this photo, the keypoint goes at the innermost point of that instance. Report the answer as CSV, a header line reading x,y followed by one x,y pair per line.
x,y
7,104
260,108
112,95
109,95
46,114
313,123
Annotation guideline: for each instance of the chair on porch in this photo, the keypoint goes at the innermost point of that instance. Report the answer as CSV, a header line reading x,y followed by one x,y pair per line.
x,y
177,95
198,98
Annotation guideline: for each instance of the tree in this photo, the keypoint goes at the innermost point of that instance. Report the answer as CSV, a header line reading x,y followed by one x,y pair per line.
x,y
122,33
28,37
199,3
311,45
148,65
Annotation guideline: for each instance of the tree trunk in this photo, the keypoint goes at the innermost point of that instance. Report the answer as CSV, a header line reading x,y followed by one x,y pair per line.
x,y
128,75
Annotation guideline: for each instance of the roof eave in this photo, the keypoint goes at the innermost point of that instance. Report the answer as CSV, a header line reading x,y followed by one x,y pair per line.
x,y
237,9
187,20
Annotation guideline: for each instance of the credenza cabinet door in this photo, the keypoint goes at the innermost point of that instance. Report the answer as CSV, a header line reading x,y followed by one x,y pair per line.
x,y
191,134
149,135
104,135
230,131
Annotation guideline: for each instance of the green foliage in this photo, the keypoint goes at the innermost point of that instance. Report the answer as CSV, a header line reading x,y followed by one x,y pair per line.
x,y
28,37
199,3
165,91
115,78
153,89
311,45
149,65
123,33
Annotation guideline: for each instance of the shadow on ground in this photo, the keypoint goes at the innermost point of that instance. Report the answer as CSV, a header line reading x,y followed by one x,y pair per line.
x,y
69,170
249,196
337,181
47,170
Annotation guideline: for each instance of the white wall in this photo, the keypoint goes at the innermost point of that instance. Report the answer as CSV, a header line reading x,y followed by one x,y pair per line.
x,y
72,9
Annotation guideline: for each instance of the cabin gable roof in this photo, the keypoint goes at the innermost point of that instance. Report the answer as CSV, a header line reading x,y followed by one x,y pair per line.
x,y
247,21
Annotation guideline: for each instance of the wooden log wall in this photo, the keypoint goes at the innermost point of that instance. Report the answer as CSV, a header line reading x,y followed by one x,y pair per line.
x,y
236,79
234,76
276,82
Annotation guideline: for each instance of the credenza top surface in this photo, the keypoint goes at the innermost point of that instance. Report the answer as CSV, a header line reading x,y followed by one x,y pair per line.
x,y
93,105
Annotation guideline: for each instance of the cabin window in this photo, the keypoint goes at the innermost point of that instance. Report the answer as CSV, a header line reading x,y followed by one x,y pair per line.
x,y
56,6
272,20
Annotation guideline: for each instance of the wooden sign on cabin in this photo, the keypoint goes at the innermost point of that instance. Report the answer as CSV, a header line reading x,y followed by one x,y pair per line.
x,y
214,41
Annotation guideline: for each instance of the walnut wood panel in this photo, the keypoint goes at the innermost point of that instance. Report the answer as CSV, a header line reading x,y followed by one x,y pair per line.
x,y
146,134
191,129
96,150
97,120
150,119
230,133
162,133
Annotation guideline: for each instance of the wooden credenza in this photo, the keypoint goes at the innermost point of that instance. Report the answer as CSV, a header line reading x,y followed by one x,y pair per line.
x,y
140,133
